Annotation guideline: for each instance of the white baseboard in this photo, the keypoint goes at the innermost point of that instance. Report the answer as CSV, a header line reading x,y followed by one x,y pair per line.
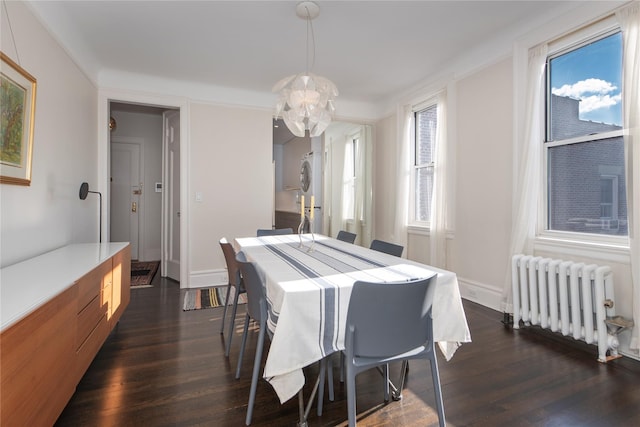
x,y
208,278
488,296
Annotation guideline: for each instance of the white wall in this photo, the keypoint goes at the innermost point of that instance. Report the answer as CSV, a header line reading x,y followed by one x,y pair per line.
x,y
49,214
480,249
384,177
146,127
230,164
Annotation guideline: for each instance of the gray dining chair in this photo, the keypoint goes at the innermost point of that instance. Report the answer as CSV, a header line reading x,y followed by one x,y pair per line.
x,y
273,232
389,322
376,245
235,280
386,247
346,236
256,310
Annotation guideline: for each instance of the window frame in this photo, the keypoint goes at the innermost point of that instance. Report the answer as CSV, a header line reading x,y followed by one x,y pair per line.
x,y
416,108
575,40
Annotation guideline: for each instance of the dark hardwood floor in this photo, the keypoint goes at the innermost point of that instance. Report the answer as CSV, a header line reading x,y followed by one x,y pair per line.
x,y
165,367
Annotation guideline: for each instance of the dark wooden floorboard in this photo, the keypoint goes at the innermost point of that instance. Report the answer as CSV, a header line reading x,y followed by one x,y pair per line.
x,y
165,367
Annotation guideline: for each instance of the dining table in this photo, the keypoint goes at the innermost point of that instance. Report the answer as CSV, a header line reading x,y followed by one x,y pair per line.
x,y
308,280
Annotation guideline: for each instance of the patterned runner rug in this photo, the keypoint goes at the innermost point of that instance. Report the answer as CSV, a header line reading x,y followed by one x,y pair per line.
x,y
195,299
142,272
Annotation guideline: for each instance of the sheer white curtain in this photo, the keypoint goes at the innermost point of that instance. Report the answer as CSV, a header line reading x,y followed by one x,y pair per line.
x,y
528,186
350,198
629,19
403,180
363,187
327,195
437,228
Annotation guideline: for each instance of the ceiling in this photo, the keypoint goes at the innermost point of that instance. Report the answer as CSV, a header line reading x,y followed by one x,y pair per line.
x,y
372,50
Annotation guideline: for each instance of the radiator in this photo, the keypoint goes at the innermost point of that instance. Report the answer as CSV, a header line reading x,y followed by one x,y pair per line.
x,y
567,297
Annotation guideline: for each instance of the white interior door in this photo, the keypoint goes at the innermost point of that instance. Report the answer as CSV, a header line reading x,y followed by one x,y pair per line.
x,y
125,195
171,196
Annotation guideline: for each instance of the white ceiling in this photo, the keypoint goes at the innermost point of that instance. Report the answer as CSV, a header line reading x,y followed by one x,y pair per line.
x,y
372,50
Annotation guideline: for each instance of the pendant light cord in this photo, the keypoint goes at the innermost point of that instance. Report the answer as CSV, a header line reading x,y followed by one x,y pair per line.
x,y
6,12
313,42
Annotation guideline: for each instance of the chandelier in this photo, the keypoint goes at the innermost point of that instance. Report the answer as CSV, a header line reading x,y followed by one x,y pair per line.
x,y
306,100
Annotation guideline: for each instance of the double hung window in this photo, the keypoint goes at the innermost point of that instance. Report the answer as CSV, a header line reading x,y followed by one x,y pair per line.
x,y
584,149
426,124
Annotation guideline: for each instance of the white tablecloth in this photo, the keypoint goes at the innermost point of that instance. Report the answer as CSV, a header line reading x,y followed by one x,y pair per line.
x,y
308,295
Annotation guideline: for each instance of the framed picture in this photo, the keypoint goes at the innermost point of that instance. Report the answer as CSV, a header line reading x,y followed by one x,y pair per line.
x,y
17,112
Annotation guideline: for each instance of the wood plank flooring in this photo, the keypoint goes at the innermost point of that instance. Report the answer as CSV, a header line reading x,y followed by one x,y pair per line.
x,y
165,367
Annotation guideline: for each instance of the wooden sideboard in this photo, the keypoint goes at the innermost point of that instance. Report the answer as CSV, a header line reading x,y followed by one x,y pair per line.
x,y
57,311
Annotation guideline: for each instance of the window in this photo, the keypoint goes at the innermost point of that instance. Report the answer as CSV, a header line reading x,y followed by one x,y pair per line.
x,y
426,123
584,146
349,179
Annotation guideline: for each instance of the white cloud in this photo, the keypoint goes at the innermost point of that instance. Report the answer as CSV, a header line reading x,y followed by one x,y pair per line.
x,y
589,86
592,93
595,102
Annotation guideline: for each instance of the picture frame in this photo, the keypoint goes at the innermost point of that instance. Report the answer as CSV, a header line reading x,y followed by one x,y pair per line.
x,y
17,119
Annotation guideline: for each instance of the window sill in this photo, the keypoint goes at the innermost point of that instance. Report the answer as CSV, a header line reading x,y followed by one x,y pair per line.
x,y
425,230
610,250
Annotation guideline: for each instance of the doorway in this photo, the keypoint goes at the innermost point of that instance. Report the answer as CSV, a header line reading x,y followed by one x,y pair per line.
x,y
137,176
126,192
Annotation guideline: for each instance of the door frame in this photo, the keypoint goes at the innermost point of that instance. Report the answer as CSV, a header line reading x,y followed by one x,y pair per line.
x,y
167,268
105,97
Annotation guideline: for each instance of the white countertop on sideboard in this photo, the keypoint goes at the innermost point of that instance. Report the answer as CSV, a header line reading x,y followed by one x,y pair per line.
x,y
29,284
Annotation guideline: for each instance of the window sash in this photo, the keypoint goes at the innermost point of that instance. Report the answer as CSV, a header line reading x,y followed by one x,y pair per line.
x,y
558,52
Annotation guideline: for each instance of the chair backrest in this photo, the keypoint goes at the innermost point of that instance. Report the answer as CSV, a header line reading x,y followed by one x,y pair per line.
x,y
256,301
230,258
273,232
386,247
386,319
346,236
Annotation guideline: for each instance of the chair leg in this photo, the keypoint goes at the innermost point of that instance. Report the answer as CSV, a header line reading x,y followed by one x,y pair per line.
x,y
321,377
404,370
385,371
256,372
226,304
330,379
244,342
436,386
351,394
232,322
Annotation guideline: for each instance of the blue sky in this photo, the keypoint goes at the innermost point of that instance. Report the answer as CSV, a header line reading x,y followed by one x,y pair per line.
x,y
593,75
